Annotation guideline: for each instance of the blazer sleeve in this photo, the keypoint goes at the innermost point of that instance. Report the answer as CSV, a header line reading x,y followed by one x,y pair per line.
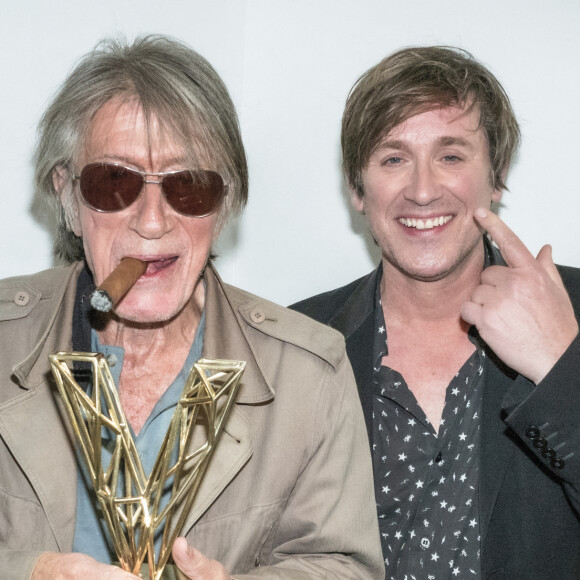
x,y
546,418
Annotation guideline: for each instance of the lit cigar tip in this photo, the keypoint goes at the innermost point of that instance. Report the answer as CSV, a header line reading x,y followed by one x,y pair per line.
x,y
106,296
101,301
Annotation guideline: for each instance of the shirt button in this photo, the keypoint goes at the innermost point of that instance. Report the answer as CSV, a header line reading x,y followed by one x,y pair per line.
x,y
21,298
257,316
425,543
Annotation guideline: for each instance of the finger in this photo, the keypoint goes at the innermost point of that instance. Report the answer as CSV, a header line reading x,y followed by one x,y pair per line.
x,y
183,554
484,295
544,258
471,312
193,563
512,249
493,275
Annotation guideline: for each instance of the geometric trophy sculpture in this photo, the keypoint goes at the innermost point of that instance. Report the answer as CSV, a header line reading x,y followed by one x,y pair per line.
x,y
137,508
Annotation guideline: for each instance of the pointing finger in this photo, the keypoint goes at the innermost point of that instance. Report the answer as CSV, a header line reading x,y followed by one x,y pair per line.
x,y
544,258
511,247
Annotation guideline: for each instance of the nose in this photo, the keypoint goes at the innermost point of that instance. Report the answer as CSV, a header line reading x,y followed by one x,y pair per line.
x,y
151,219
424,187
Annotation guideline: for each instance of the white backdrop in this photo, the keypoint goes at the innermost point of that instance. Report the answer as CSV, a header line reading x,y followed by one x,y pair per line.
x,y
289,65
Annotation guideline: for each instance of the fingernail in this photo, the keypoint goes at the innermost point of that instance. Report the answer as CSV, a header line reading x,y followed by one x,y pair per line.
x,y
481,212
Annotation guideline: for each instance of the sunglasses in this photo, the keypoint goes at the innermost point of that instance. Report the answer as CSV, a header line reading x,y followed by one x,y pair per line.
x,y
109,187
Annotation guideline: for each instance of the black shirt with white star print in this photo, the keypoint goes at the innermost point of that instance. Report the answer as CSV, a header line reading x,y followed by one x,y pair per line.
x,y
426,483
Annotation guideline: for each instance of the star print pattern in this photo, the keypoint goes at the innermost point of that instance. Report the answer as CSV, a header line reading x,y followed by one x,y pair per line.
x,y
426,482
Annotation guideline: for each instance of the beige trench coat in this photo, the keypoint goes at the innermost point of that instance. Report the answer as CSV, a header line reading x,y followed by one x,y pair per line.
x,y
289,491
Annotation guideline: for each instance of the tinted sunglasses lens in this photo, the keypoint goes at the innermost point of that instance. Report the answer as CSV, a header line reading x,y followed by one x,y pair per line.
x,y
109,187
194,193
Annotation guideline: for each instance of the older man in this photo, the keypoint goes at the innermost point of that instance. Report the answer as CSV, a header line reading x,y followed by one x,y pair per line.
x,y
141,151
467,358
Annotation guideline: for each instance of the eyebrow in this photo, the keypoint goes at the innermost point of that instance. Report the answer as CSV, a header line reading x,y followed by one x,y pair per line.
x,y
460,141
445,141
391,144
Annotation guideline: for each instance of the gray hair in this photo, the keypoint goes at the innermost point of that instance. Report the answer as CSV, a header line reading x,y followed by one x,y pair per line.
x,y
174,85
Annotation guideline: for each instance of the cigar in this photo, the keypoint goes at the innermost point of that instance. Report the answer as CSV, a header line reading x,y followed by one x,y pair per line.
x,y
106,296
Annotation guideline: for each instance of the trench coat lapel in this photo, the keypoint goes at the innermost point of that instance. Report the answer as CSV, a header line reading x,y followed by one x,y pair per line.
x,y
226,338
232,452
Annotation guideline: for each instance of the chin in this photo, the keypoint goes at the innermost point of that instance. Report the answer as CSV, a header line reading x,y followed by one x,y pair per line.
x,y
143,318
143,313
430,276
429,271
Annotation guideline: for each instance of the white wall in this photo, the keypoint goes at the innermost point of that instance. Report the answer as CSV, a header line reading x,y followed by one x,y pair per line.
x,y
289,65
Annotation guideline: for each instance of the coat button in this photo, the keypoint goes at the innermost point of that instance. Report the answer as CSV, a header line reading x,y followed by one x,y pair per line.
x,y
257,316
548,453
540,443
557,463
21,298
532,432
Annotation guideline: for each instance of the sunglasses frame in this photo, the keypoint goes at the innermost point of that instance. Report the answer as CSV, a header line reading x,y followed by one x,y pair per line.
x,y
144,175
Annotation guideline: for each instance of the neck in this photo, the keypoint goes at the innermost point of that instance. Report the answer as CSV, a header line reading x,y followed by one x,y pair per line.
x,y
415,302
427,338
142,340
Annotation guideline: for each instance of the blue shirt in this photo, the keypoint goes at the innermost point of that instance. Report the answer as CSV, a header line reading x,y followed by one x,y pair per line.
x,y
91,536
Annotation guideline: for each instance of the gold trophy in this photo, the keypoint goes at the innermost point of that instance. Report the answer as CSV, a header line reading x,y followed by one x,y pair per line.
x,y
132,503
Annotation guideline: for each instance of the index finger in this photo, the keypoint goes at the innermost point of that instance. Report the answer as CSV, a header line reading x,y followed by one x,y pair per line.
x,y
512,249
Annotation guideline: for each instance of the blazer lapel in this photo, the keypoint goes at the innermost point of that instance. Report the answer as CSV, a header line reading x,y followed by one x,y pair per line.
x,y
496,448
355,320
359,346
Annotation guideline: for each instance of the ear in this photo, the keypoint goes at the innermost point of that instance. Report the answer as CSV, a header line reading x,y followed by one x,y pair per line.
x,y
498,191
59,178
357,200
63,186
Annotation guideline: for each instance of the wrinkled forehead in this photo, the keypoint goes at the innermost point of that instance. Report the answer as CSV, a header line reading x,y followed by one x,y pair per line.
x,y
124,127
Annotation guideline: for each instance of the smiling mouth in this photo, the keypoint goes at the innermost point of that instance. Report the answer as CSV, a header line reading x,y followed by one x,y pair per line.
x,y
425,224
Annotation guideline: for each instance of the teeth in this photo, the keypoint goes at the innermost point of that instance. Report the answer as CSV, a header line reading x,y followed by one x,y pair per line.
x,y
427,224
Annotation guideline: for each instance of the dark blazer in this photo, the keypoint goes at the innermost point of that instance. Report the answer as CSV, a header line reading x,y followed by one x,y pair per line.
x,y
529,495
